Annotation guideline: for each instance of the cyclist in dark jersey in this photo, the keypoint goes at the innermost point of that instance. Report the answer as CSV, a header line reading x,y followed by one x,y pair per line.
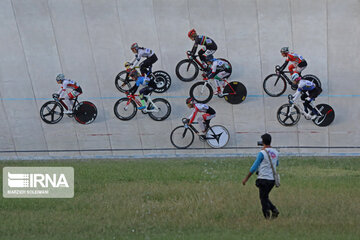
x,y
209,46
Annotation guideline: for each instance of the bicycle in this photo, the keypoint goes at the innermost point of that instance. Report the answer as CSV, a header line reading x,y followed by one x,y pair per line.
x,y
125,108
275,84
161,78
234,92
188,69
289,114
183,136
52,112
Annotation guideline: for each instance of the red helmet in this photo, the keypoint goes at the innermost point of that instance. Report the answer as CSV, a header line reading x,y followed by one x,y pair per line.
x,y
191,33
134,46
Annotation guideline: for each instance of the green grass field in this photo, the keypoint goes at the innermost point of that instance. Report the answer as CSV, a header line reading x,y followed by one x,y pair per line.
x,y
191,199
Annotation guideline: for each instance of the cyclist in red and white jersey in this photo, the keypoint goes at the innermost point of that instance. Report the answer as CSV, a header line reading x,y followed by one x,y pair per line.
x,y
209,46
298,62
75,91
204,119
140,52
219,70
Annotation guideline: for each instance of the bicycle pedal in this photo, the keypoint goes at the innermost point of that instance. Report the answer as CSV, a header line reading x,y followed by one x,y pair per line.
x,y
202,138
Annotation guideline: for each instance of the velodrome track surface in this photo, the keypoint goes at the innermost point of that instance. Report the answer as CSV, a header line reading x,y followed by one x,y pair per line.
x,y
89,40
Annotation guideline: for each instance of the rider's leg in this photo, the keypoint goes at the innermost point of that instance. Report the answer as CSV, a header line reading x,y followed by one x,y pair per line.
x,y
291,68
142,99
201,54
205,121
300,67
69,100
219,85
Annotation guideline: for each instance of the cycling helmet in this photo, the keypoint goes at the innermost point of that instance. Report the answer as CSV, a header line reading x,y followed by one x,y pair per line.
x,y
190,100
191,33
134,46
60,77
284,50
295,77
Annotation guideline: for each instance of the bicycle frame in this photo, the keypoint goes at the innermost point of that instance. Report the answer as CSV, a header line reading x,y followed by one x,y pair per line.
x,y
133,97
63,104
213,85
282,73
187,126
302,111
195,59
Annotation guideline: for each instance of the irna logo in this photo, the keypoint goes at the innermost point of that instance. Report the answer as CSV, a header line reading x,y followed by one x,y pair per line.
x,y
18,180
38,182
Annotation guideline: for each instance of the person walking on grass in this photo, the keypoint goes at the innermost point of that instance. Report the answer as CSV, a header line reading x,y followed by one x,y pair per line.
x,y
265,180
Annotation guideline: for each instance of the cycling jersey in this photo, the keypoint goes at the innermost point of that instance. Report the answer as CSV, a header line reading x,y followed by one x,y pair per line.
x,y
142,52
293,57
142,81
198,107
304,86
206,41
68,83
218,66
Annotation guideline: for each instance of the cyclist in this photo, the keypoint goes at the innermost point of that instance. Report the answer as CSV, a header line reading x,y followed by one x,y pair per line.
x,y
209,45
219,70
308,91
65,84
298,62
140,52
204,120
144,92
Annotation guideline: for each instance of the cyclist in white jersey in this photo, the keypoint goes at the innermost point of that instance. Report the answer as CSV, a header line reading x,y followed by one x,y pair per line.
x,y
147,53
204,120
75,91
308,91
218,70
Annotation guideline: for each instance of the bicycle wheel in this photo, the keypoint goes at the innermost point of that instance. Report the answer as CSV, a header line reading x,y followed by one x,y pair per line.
x,y
182,137
85,112
287,115
51,112
217,136
235,92
162,81
122,82
327,115
200,92
187,70
125,109
312,78
274,85
223,59
163,109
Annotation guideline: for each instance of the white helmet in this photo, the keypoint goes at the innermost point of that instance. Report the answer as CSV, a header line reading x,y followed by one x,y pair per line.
x,y
295,77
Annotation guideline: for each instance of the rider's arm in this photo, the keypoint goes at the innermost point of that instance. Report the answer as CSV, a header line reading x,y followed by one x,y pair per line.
x,y
284,65
297,94
193,115
62,90
137,59
212,73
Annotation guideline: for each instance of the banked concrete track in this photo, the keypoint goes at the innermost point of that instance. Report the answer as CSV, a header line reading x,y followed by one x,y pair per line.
x,y
89,40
